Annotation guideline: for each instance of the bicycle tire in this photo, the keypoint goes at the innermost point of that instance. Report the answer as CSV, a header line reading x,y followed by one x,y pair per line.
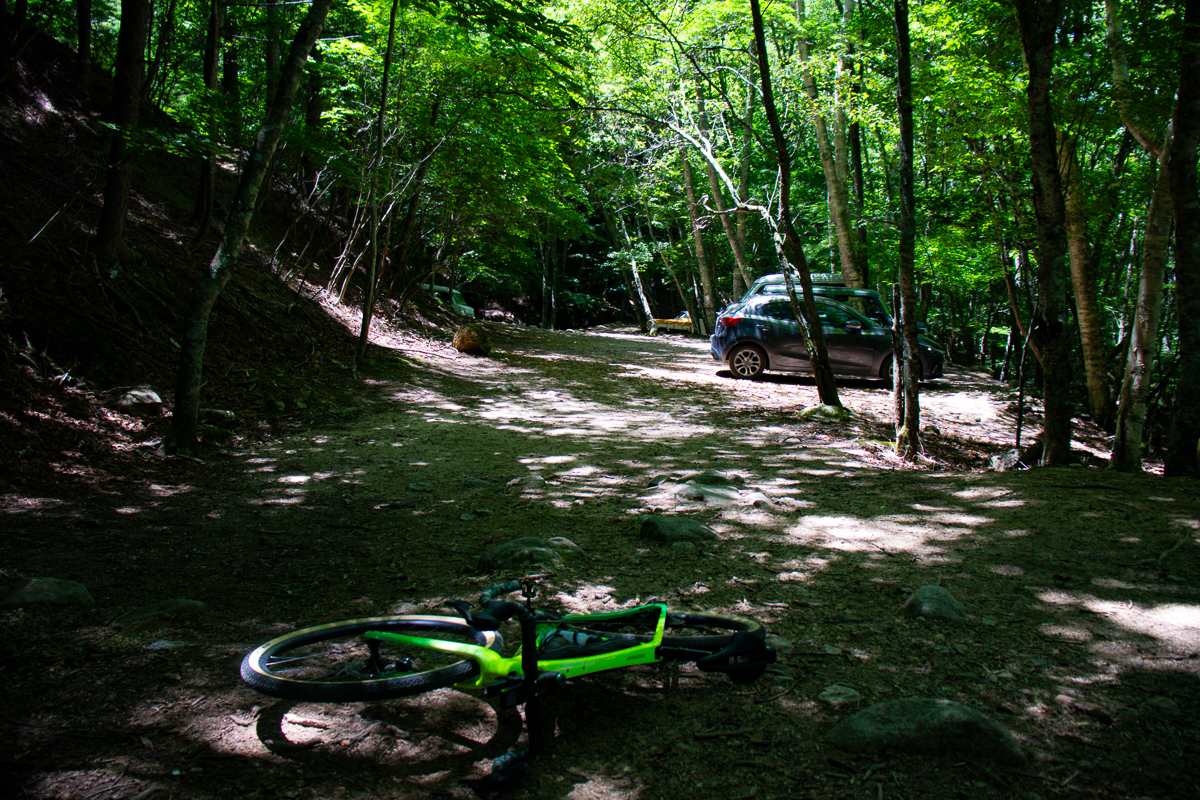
x,y
685,630
678,622
332,663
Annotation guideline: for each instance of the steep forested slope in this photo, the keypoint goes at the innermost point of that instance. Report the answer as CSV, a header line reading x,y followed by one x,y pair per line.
x,y
74,336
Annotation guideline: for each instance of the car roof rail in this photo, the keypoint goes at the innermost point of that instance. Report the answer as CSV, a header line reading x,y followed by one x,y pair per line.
x,y
828,278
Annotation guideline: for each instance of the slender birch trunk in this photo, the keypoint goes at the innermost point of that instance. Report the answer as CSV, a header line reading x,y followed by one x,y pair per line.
x,y
181,437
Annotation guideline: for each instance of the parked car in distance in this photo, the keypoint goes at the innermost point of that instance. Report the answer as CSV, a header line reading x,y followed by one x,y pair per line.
x,y
454,299
865,301
763,334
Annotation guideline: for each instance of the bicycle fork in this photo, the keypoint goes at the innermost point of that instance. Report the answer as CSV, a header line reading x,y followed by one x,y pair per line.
x,y
526,690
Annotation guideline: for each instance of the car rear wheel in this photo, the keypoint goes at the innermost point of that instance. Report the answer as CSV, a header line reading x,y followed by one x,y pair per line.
x,y
747,361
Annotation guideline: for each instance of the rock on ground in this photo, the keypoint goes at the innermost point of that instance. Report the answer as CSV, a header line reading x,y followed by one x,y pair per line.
x,y
669,530
529,551
472,339
46,591
936,603
927,727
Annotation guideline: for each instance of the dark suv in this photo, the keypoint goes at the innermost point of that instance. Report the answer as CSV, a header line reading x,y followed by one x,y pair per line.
x,y
865,301
762,333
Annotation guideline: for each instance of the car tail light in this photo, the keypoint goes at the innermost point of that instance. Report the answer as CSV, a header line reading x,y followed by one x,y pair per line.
x,y
728,322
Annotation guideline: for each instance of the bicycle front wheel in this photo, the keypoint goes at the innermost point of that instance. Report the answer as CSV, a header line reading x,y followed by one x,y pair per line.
x,y
335,663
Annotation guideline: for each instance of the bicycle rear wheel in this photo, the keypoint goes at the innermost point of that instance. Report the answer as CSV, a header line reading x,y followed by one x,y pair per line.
x,y
334,663
731,645
699,632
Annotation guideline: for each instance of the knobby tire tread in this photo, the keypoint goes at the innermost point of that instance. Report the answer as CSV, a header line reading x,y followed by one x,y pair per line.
x,y
257,673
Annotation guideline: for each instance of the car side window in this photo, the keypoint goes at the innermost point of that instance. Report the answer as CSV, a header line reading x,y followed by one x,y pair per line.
x,y
867,306
777,309
834,317
831,317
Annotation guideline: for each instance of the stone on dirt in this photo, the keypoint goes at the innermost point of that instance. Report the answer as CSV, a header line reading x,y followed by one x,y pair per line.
x,y
530,551
712,477
472,339
528,482
140,402
178,608
45,591
669,530
709,495
1008,460
934,602
837,695
711,487
217,417
927,726
832,413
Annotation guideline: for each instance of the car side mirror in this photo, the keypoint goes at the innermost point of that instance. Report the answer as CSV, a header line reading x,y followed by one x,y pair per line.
x,y
853,326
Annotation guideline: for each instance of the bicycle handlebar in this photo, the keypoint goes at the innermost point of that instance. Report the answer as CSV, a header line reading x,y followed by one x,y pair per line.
x,y
498,590
498,611
492,611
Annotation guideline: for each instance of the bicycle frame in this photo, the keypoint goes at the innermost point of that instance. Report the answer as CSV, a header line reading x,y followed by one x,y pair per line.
x,y
494,666
552,649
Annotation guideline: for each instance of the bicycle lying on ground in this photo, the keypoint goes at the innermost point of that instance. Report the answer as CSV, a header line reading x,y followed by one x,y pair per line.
x,y
377,658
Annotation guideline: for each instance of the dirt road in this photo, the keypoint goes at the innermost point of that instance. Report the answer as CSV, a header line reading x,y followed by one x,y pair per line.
x,y
1079,586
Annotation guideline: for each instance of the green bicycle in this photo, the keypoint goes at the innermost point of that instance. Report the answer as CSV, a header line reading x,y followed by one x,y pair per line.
x,y
376,658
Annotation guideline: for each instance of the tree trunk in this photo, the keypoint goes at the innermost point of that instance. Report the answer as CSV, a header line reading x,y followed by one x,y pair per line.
x,y
231,96
1137,382
206,187
814,334
408,238
375,251
183,432
718,194
904,380
126,98
836,183
314,107
856,168
1143,338
83,36
744,163
272,49
637,278
1182,456
708,302
549,264
1038,21
1083,279
848,141
166,34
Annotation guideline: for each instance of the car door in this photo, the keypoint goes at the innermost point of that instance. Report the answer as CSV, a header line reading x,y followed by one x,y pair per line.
x,y
778,331
854,342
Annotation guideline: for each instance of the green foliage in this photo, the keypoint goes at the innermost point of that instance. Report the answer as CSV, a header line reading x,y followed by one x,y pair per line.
x,y
514,127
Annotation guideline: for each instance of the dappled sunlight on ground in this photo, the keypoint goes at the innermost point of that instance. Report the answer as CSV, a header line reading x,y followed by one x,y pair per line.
x,y
1077,586
1165,627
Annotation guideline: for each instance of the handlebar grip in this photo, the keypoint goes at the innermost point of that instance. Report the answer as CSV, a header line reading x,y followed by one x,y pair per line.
x,y
497,612
499,590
